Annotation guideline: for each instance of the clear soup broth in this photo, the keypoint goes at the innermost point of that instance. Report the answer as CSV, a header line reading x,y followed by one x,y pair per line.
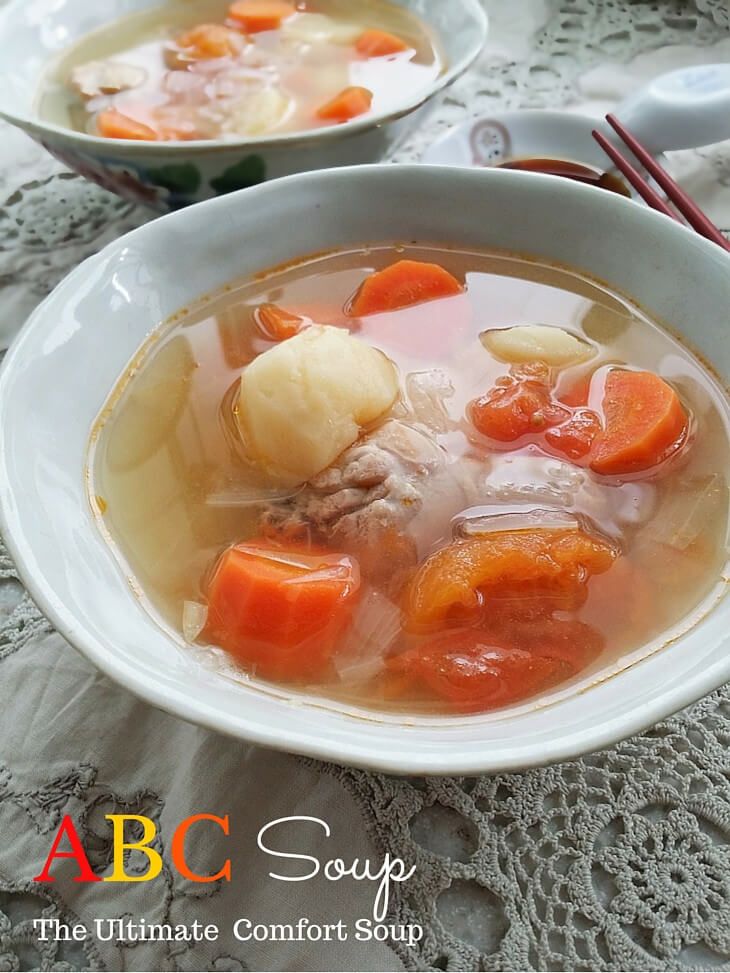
x,y
468,516
207,70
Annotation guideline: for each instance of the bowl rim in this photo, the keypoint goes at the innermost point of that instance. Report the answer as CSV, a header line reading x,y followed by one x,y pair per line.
x,y
286,139
601,735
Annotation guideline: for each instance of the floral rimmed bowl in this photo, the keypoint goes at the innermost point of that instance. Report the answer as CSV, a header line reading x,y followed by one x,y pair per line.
x,y
169,175
103,312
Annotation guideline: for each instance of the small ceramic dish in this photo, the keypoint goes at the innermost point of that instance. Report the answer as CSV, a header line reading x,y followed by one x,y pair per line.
x,y
59,373
681,109
527,134
520,134
169,175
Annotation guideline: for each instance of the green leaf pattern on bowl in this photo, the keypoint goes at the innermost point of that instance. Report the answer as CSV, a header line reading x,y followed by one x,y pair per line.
x,y
180,179
248,172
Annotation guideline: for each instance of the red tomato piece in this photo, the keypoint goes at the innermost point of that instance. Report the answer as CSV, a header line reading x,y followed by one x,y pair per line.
x,y
510,412
472,672
574,437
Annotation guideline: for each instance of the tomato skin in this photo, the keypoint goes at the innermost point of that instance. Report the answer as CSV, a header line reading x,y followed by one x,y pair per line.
x,y
471,671
574,438
522,408
569,640
510,412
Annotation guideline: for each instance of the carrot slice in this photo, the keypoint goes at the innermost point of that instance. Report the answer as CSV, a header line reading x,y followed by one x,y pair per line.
x,y
254,16
379,43
472,671
280,611
349,103
459,579
112,124
276,323
210,41
403,284
644,424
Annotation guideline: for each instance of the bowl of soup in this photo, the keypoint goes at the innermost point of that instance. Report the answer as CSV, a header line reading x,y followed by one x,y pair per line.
x,y
171,104
415,485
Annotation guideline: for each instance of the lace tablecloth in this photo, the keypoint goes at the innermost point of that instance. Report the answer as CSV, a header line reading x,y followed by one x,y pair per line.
x,y
617,861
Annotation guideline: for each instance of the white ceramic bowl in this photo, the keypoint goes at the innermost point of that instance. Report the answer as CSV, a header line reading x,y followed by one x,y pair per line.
x,y
72,350
169,175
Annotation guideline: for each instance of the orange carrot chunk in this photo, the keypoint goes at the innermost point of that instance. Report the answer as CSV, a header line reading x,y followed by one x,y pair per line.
x,y
379,43
210,41
254,16
276,323
349,103
644,424
403,284
112,124
279,611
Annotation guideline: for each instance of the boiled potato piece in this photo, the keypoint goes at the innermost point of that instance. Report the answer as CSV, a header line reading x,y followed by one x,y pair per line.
x,y
256,112
317,28
537,342
105,78
304,401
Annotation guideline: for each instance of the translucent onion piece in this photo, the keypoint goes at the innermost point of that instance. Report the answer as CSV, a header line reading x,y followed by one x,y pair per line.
x,y
478,521
687,509
427,394
375,626
541,482
253,496
194,617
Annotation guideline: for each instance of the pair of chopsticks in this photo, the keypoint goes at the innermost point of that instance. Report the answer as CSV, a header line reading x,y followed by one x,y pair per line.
x,y
683,203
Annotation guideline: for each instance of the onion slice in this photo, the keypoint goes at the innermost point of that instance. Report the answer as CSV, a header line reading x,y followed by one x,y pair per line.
x,y
194,617
376,624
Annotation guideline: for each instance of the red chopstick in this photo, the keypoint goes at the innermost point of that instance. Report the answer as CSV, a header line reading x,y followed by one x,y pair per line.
x,y
633,176
698,220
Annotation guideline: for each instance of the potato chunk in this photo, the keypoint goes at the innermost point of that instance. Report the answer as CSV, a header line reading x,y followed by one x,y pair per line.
x,y
256,112
105,78
304,401
537,342
311,28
